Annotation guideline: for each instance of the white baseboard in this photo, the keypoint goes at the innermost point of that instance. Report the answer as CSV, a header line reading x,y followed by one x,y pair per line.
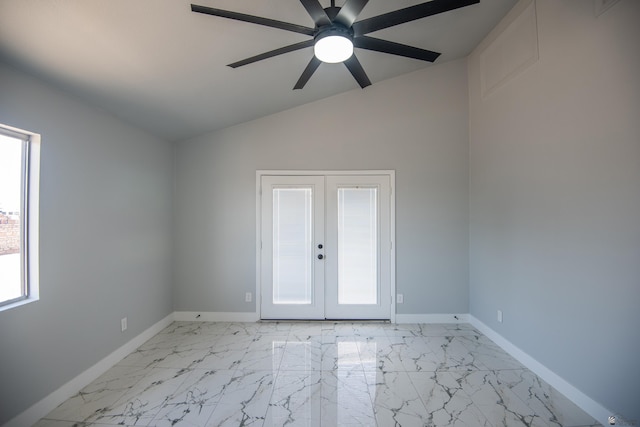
x,y
204,316
432,318
590,406
214,316
49,403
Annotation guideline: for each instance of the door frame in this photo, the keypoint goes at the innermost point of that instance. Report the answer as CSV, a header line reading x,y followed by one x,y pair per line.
x,y
392,200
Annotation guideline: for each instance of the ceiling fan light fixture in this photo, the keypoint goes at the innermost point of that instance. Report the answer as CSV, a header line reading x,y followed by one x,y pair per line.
x,y
333,48
336,29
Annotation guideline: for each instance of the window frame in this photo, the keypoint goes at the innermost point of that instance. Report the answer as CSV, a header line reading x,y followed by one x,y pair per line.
x,y
29,216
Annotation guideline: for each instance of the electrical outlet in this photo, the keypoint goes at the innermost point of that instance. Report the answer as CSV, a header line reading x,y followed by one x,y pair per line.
x,y
123,324
400,299
500,316
247,297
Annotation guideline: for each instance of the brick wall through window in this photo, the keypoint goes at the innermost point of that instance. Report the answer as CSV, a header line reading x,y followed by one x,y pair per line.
x,y
9,234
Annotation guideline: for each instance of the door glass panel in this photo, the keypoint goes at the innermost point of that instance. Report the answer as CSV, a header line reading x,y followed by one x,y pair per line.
x,y
357,245
292,245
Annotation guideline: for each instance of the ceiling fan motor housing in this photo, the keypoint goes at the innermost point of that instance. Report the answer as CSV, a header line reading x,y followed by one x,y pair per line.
x,y
334,29
333,38
333,43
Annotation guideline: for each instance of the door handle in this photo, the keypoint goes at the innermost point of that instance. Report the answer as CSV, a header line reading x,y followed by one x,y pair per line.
x,y
320,256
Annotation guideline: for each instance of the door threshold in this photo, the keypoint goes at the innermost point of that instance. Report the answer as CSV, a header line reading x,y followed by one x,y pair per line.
x,y
325,320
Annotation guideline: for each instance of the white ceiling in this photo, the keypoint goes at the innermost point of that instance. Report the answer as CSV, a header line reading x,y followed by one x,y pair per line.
x,y
161,67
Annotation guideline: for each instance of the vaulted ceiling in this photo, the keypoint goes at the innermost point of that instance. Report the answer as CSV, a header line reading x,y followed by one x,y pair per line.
x,y
163,68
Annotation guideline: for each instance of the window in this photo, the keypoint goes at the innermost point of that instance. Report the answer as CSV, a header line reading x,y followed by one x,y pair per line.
x,y
19,177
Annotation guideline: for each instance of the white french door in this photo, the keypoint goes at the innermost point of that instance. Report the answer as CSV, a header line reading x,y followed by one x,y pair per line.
x,y
292,228
325,247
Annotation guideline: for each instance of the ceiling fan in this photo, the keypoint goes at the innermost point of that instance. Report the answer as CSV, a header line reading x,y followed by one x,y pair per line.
x,y
336,33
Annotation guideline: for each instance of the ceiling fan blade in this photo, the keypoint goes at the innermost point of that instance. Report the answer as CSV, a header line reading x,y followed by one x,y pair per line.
x,y
272,53
315,9
357,71
253,19
370,43
307,73
350,11
408,14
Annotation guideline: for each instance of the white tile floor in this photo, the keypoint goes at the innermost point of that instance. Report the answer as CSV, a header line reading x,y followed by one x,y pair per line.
x,y
318,374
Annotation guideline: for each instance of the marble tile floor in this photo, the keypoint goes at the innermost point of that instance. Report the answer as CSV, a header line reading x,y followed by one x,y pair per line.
x,y
318,374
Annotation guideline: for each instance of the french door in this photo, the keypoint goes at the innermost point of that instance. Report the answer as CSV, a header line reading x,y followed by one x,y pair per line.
x,y
326,246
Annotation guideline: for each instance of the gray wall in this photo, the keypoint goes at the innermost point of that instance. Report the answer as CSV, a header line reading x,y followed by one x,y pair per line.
x,y
555,201
105,243
415,124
